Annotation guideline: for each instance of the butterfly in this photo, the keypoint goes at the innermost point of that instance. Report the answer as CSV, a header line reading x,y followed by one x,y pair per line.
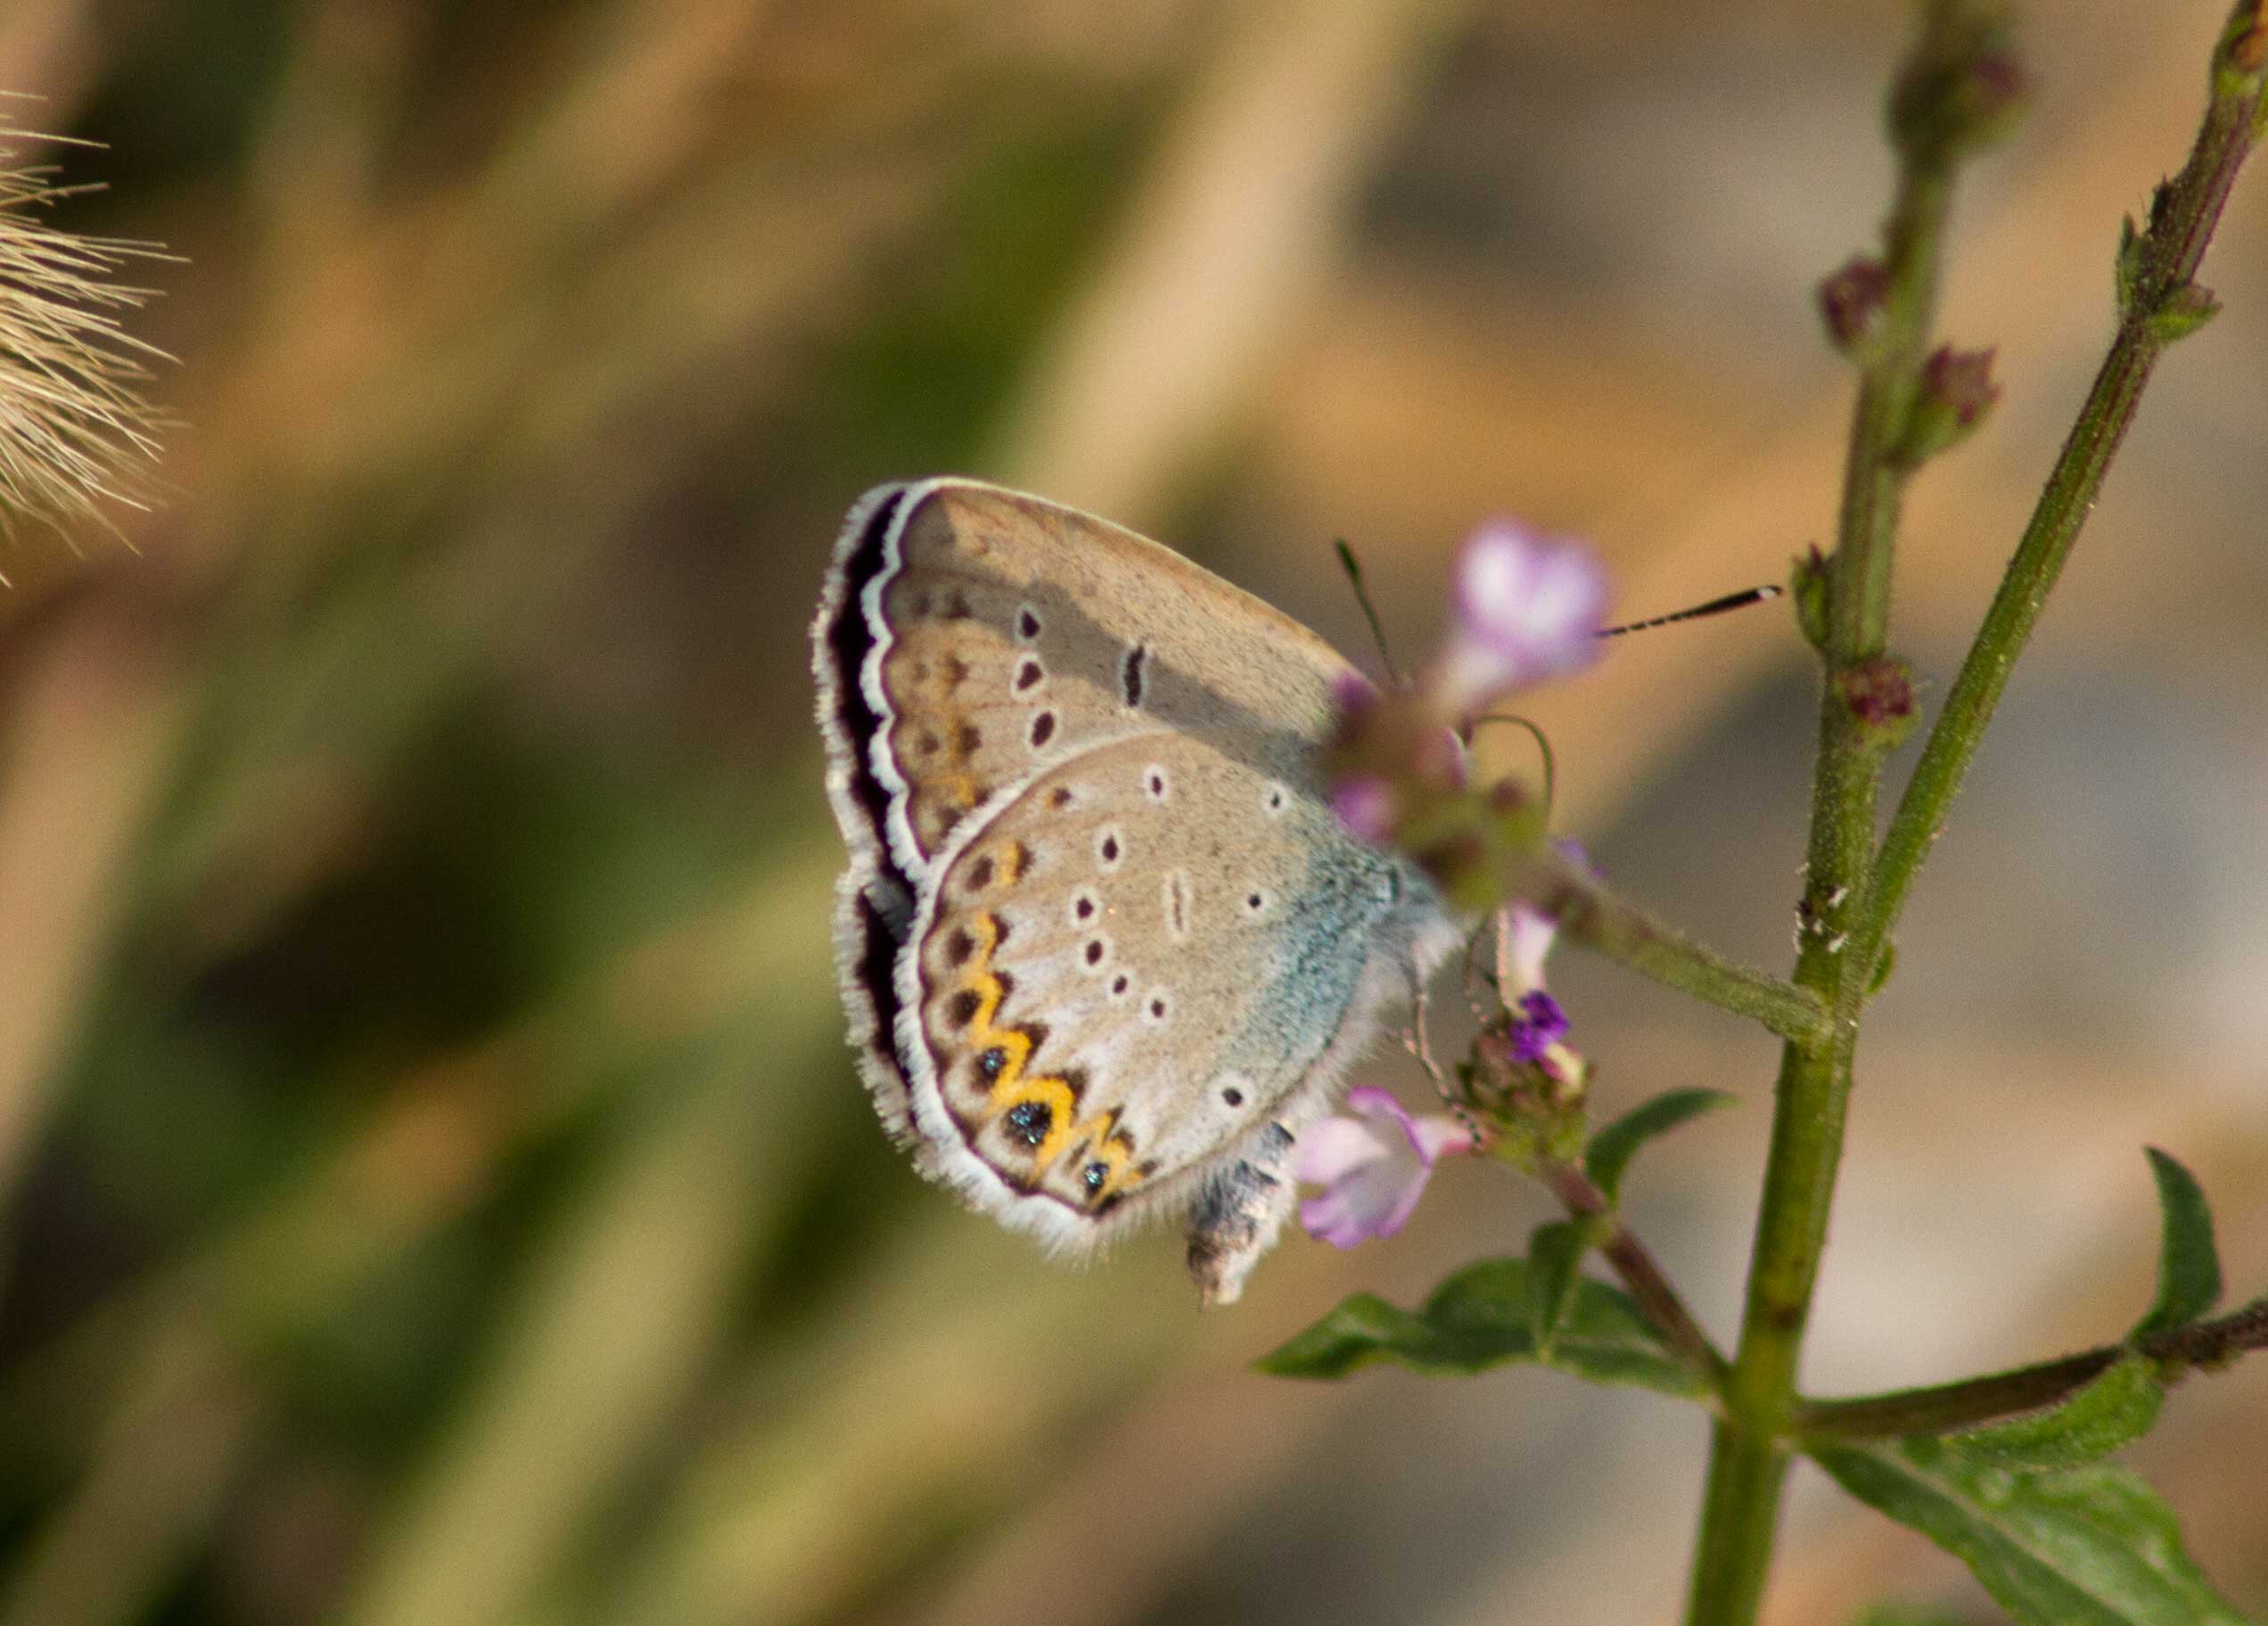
x,y
1104,949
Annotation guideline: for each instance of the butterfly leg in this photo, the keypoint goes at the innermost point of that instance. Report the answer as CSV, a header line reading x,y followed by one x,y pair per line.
x,y
1420,1047
1239,1209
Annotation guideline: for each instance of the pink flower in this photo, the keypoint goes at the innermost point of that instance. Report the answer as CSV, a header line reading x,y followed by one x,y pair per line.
x,y
1373,1167
1527,938
1524,607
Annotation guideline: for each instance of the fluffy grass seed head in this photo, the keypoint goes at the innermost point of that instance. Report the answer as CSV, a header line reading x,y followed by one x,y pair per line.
x,y
77,433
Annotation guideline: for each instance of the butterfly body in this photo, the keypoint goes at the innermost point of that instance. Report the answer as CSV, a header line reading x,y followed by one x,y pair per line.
x,y
1103,948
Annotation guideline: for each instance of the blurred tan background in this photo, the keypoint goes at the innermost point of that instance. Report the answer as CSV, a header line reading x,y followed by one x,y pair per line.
x,y
435,1188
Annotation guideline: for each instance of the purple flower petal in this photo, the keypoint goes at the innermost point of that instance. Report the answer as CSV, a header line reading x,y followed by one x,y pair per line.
x,y
1375,1200
1366,807
1352,692
1540,1025
1373,1167
1576,853
1335,1147
1524,608
1437,1135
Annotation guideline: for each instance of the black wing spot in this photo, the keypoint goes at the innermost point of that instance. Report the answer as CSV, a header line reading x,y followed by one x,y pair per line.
x,y
1130,674
1029,1120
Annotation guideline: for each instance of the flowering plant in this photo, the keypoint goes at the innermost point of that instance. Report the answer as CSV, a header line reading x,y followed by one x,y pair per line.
x,y
2006,1470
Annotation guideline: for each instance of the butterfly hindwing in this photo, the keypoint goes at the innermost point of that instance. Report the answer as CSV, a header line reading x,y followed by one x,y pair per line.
x,y
1137,958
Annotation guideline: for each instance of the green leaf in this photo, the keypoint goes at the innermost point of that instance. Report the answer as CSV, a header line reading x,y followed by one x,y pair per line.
x,y
1613,1148
2182,312
2189,1267
1479,1318
2129,263
1883,968
1894,1612
2118,1406
2082,1547
1554,1252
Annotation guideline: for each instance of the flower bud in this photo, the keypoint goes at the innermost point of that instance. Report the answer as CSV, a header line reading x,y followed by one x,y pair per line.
x,y
1963,88
1879,693
1852,303
1957,390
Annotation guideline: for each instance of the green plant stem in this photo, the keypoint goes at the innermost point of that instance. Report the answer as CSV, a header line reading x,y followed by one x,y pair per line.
x,y
1649,1288
1590,914
1748,1451
1946,1407
1852,903
2182,227
1874,478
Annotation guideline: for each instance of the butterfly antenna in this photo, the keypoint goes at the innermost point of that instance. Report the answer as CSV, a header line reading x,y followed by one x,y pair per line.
x,y
1354,570
1715,606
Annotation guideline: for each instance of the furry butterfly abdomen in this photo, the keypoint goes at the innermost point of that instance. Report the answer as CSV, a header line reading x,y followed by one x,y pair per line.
x,y
1104,949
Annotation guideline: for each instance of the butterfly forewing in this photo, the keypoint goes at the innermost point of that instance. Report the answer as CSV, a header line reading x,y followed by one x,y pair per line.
x,y
1018,630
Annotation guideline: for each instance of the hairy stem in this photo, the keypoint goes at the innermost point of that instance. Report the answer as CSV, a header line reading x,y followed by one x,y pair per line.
x,y
1649,1288
1748,1450
1588,914
1854,898
1944,1407
2159,301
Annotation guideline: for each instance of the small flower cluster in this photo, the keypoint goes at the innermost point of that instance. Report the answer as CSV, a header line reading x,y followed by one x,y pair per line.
x,y
1524,1077
1525,608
